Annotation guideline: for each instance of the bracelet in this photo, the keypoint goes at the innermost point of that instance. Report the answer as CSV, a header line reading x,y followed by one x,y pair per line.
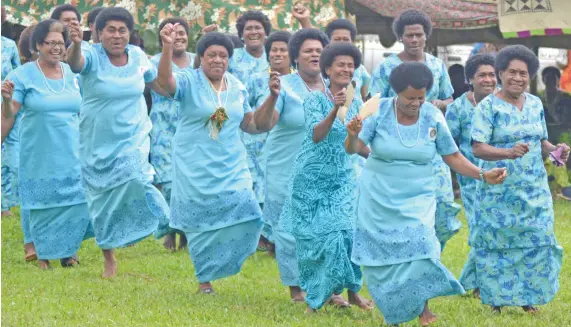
x,y
482,171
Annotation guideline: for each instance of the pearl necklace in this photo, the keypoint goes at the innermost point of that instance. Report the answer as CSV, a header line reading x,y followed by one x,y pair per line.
x,y
398,130
223,82
307,86
46,80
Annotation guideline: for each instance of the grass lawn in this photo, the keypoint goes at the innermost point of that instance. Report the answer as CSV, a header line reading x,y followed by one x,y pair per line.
x,y
157,288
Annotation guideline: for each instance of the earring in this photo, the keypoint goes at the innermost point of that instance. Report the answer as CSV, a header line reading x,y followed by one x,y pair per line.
x,y
296,66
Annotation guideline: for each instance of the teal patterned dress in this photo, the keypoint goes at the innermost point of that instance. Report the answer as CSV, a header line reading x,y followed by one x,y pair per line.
x,y
517,257
395,239
459,119
447,225
361,77
320,208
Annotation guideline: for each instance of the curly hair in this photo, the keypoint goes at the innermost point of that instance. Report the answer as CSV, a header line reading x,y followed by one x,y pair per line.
x,y
297,39
341,24
412,17
114,13
253,15
24,43
214,38
414,74
56,14
43,28
236,41
174,20
475,62
277,36
516,52
338,49
93,14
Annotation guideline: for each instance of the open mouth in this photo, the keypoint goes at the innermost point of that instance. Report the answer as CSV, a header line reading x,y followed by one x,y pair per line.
x,y
254,38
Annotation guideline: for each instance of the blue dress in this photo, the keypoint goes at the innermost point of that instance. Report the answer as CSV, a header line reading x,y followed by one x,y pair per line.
x,y
282,145
10,61
164,116
459,119
447,225
50,173
114,148
517,256
212,198
320,208
395,239
361,77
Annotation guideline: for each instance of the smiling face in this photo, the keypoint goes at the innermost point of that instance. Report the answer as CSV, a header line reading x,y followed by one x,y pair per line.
x,y
341,71
51,50
308,59
414,39
215,62
515,78
279,56
410,100
180,40
114,37
484,81
341,35
68,17
254,34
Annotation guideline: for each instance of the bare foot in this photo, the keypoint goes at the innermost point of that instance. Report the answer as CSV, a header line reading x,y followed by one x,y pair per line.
x,y
310,310
7,213
182,241
358,300
206,288
44,264
530,309
339,301
427,317
110,264
30,252
170,242
476,293
296,294
272,250
497,309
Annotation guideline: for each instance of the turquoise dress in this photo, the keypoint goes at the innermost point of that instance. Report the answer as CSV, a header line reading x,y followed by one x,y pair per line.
x,y
164,116
250,71
320,208
361,77
212,198
282,146
447,225
517,256
395,239
459,119
50,173
114,148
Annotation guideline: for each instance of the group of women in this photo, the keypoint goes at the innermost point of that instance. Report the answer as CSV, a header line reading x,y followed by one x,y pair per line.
x,y
279,122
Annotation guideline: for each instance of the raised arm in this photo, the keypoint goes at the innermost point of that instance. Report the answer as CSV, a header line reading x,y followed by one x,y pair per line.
x,y
266,116
10,108
302,15
322,129
75,58
353,144
165,78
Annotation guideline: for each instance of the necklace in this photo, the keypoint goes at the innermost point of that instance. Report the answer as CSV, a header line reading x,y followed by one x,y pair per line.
x,y
222,83
398,130
474,100
307,86
46,80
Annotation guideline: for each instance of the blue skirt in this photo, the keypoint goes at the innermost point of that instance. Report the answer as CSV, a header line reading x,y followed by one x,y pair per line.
x,y
163,229
126,214
286,257
445,222
10,196
401,290
220,253
468,277
57,233
25,221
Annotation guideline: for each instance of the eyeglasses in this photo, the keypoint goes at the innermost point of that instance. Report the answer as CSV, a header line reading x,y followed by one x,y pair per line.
x,y
53,44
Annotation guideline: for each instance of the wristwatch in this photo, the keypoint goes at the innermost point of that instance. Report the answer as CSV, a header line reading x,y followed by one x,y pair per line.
x,y
482,171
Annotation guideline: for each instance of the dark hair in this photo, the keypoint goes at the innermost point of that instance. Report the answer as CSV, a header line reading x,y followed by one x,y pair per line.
x,y
25,42
174,20
456,69
56,14
253,15
341,24
214,38
277,36
114,13
550,71
414,74
43,28
412,17
93,14
301,36
519,52
236,41
475,62
338,49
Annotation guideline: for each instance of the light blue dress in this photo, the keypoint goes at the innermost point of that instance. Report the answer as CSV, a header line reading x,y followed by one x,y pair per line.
x,y
459,119
282,145
164,116
212,198
250,71
517,256
447,225
320,208
395,239
114,148
50,173
361,77
10,61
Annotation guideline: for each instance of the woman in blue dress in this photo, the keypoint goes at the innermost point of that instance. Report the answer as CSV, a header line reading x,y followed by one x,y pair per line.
x,y
284,110
517,258
395,240
212,198
258,91
481,76
164,116
413,28
320,209
114,128
46,92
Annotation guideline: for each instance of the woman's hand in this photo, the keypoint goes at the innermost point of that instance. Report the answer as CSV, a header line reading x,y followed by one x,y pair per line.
x,y
275,84
168,33
300,12
7,90
564,156
495,176
519,150
339,98
354,127
209,28
75,32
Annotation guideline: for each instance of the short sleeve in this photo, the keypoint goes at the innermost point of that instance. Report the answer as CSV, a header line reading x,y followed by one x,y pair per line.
x,y
365,76
245,104
445,85
314,108
19,86
89,56
15,58
150,69
280,102
482,122
453,119
379,82
368,131
182,79
445,144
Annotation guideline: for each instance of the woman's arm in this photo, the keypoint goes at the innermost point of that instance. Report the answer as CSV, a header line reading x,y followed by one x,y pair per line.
x,y
464,167
75,58
165,79
352,142
266,116
490,153
322,129
547,148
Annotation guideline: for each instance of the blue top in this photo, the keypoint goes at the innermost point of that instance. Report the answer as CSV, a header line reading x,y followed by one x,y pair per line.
x,y
10,57
361,78
258,89
114,126
243,65
49,173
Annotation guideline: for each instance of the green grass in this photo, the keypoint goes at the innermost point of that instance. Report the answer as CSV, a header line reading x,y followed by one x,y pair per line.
x,y
157,288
